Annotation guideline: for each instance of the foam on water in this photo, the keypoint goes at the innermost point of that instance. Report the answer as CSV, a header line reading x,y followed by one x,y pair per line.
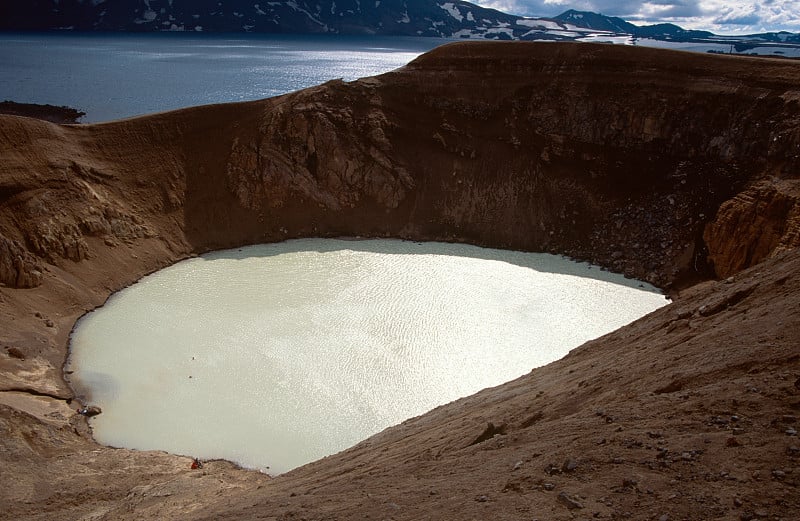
x,y
276,355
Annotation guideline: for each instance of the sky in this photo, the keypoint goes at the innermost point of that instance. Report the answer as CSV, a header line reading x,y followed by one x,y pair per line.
x,y
718,16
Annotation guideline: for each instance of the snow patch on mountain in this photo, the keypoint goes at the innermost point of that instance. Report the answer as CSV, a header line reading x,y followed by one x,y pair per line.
x,y
452,10
539,23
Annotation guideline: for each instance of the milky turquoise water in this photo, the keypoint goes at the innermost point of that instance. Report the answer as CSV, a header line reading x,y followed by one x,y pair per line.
x,y
276,355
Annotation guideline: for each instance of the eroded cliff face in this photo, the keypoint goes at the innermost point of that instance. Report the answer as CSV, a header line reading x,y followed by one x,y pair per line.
x,y
615,155
758,223
618,158
55,198
328,151
626,163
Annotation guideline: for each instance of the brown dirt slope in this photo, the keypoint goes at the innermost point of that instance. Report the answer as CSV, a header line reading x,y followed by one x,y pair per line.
x,y
672,167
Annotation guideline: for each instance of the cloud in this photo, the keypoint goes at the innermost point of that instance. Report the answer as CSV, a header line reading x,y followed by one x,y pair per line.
x,y
744,19
720,16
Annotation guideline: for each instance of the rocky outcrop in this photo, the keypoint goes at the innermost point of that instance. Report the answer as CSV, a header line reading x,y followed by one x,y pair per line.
x,y
18,268
50,231
760,222
333,154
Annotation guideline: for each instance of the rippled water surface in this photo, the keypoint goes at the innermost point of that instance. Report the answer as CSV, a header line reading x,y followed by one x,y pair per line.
x,y
112,76
276,355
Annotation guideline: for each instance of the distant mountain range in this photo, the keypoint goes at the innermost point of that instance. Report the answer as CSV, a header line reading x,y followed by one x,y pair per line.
x,y
435,18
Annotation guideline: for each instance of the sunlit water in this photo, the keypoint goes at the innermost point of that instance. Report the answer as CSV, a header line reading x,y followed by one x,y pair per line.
x,y
276,355
112,76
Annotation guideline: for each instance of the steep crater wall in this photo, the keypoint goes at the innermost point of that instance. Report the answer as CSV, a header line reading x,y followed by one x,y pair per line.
x,y
622,156
619,156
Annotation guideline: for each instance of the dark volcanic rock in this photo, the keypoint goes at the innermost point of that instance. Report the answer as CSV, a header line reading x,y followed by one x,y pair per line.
x,y
50,113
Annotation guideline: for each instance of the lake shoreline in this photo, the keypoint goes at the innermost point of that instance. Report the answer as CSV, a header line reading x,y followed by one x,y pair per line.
x,y
62,115
119,76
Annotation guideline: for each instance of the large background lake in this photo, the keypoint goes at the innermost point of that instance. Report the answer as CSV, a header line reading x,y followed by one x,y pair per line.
x,y
116,76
